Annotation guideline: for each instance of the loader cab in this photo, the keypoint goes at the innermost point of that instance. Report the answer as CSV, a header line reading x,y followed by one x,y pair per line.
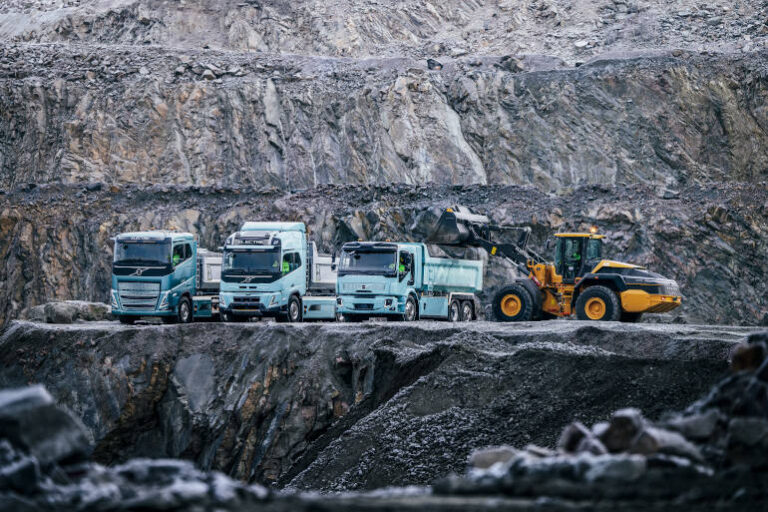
x,y
576,254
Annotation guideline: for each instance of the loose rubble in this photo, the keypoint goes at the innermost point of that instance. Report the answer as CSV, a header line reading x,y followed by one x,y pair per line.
x,y
715,450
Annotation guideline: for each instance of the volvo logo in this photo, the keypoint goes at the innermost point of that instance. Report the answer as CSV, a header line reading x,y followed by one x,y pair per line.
x,y
247,279
362,287
140,271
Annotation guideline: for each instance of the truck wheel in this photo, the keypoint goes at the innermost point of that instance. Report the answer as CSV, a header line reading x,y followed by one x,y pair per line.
x,y
294,309
630,318
127,320
598,303
513,304
411,310
467,311
454,311
185,311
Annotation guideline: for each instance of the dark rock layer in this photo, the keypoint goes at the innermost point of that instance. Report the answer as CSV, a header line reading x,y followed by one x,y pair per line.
x,y
352,406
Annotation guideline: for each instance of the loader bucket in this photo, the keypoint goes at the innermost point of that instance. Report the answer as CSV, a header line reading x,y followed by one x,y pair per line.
x,y
453,227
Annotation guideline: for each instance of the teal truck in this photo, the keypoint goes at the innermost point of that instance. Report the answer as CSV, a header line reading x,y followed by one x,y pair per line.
x,y
402,281
270,269
163,274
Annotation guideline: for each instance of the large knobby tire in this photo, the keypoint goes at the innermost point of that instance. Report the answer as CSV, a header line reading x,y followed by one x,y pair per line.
x,y
467,311
454,311
411,313
598,303
630,318
294,309
185,311
127,320
513,304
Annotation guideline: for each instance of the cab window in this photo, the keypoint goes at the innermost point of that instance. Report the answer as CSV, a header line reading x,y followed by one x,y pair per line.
x,y
181,252
291,262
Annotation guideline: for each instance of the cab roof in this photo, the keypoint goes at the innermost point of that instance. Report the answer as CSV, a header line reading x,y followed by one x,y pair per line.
x,y
580,235
155,235
274,226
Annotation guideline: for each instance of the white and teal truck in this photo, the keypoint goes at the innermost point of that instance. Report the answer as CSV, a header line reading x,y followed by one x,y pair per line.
x,y
163,274
402,281
270,269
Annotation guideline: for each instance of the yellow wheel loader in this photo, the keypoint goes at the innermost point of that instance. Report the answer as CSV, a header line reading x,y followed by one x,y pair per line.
x,y
578,280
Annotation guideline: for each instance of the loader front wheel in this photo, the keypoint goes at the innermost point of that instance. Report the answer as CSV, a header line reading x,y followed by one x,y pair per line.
x,y
598,303
513,304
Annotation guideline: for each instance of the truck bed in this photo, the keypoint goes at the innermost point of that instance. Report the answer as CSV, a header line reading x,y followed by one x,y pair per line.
x,y
452,275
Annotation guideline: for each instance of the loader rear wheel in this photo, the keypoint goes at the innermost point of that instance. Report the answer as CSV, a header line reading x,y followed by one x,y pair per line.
x,y
598,303
513,304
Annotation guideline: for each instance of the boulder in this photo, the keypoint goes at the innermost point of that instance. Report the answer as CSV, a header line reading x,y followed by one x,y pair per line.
x,y
67,312
622,430
32,422
484,458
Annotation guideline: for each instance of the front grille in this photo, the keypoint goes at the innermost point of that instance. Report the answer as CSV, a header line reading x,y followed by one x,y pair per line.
x,y
245,299
360,287
670,288
136,296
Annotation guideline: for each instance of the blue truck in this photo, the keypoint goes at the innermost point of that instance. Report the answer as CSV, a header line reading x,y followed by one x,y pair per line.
x,y
163,274
271,269
402,281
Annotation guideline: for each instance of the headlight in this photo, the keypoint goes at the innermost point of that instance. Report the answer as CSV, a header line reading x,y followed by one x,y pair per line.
x,y
163,301
114,302
388,303
273,300
222,301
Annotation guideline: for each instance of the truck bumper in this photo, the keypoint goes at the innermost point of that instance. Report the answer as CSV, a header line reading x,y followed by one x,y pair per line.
x,y
118,312
252,305
370,306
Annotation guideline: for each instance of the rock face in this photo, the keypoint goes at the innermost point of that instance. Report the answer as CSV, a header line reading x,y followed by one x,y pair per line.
x,y
55,240
198,117
344,406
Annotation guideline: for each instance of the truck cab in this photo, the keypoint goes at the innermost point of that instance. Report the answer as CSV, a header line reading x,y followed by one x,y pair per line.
x,y
270,269
402,281
157,274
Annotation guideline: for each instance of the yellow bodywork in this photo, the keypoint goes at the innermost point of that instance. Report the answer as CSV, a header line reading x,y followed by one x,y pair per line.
x,y
558,295
640,301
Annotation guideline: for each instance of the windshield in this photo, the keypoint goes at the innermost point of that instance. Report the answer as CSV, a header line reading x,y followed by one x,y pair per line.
x,y
143,252
266,261
368,262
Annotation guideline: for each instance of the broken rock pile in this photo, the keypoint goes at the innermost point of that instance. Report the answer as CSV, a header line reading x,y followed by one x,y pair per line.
x,y
44,465
715,450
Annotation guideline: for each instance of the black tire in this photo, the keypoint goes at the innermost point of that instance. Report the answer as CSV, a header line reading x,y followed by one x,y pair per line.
x,y
127,320
513,303
454,311
598,303
411,310
294,309
630,318
467,311
185,311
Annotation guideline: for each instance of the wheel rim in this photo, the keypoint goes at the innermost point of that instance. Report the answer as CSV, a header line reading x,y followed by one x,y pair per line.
x,y
467,312
294,311
184,312
511,305
454,312
595,308
409,311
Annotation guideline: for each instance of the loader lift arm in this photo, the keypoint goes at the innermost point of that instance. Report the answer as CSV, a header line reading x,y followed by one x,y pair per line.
x,y
458,226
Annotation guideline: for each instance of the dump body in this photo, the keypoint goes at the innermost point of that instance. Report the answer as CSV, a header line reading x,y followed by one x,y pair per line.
x,y
265,264
376,279
153,271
